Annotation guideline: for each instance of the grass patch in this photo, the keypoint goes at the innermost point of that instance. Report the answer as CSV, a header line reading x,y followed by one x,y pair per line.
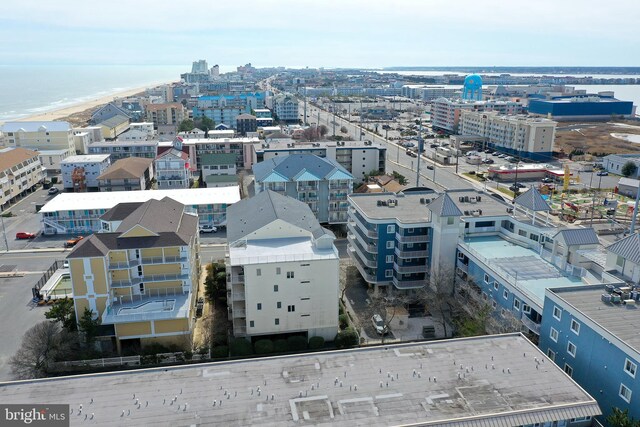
x,y
506,191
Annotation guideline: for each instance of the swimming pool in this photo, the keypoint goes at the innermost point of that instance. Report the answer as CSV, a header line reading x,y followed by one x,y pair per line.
x,y
150,307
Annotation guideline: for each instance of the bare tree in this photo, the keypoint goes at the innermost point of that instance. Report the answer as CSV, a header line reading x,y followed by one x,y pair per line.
x,y
323,130
42,345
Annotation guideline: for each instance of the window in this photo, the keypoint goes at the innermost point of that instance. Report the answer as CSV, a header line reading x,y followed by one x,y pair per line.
x,y
450,220
290,274
557,313
571,349
410,230
505,294
625,393
486,278
388,273
522,233
291,308
259,272
390,244
516,304
493,303
277,321
496,285
526,309
278,270
391,228
259,306
251,323
389,259
275,288
575,327
619,261
553,334
551,354
630,368
279,304
568,369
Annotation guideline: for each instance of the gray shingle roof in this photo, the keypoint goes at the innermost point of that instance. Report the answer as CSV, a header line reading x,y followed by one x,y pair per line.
x,y
249,215
532,200
444,206
120,211
292,165
628,248
578,236
114,121
36,126
155,215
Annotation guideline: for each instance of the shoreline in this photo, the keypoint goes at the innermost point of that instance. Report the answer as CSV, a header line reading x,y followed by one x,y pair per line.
x,y
81,107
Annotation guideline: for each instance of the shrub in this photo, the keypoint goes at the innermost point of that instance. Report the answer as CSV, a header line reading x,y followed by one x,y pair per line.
x,y
280,346
240,347
316,343
346,339
155,348
297,343
343,319
263,346
340,309
219,352
219,339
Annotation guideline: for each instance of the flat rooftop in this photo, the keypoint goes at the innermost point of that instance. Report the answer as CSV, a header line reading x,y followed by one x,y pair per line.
x,y
522,267
108,199
618,319
278,250
491,380
86,158
407,209
275,145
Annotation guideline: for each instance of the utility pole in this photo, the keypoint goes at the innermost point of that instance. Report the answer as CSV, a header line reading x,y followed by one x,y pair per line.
x,y
420,153
633,219
305,106
360,120
334,117
4,233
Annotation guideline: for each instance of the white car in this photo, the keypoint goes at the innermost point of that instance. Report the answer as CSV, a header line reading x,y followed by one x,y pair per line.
x,y
208,228
378,324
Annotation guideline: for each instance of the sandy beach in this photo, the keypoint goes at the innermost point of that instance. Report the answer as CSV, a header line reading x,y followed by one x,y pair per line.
x,y
79,113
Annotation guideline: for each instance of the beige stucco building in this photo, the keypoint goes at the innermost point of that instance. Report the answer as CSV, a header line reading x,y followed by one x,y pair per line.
x,y
20,170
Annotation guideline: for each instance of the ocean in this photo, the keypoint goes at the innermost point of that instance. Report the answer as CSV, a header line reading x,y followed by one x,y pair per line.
x,y
29,90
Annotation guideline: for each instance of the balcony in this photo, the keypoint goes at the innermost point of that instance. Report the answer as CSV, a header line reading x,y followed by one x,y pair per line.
x,y
412,239
530,324
237,293
363,228
333,208
308,197
337,196
158,304
235,278
123,265
344,186
363,259
239,330
372,249
366,276
307,187
408,269
409,284
146,279
411,254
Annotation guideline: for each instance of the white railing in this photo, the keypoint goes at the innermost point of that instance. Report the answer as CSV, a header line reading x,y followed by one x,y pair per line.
x,y
148,278
533,326
405,269
408,284
411,254
373,249
412,239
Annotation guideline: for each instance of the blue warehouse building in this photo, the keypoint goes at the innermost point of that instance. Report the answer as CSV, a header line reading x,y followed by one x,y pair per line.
x,y
583,107
596,342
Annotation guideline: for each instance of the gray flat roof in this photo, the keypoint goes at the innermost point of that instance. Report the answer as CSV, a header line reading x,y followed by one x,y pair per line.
x,y
618,319
408,208
503,380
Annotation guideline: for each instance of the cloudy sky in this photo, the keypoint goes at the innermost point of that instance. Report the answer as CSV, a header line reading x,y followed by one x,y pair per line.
x,y
330,33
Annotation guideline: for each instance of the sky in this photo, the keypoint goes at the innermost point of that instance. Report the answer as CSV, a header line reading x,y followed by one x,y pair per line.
x,y
316,33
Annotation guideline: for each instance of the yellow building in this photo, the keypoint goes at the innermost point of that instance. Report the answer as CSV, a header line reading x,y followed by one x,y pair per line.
x,y
140,274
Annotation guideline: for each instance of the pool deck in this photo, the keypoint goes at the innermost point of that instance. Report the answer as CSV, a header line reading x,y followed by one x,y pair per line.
x,y
180,310
52,282
521,267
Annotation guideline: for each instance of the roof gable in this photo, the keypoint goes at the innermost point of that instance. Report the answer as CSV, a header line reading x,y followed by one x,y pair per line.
x,y
444,206
628,248
532,200
578,236
137,231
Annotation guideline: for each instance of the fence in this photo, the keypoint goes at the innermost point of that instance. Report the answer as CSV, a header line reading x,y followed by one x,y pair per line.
x,y
98,363
47,274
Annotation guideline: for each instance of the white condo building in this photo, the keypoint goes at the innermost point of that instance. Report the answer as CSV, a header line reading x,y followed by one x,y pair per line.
x,y
282,269
80,173
39,136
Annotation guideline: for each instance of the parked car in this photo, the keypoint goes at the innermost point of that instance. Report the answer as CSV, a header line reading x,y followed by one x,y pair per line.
x,y
430,167
199,307
487,161
502,156
24,235
65,264
378,324
208,228
547,180
53,190
433,145
72,242
603,173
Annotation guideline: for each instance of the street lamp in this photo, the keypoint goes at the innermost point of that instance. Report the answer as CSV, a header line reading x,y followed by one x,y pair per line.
x,y
4,233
